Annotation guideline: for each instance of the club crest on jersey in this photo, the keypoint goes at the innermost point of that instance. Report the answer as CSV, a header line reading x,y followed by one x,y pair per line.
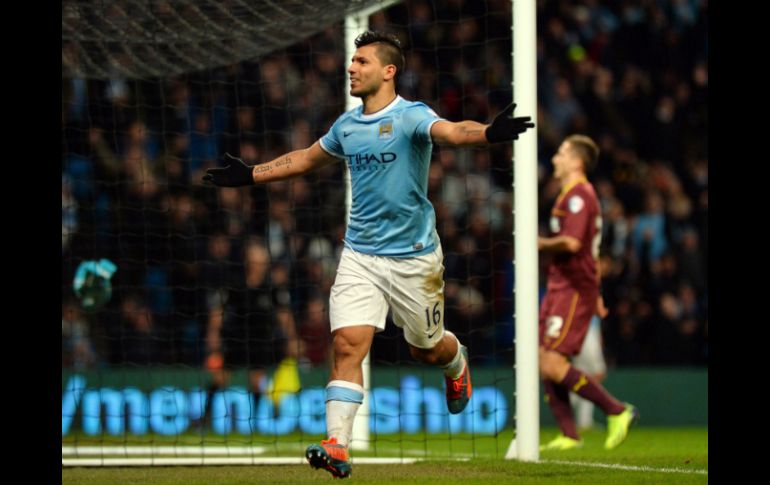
x,y
386,129
575,204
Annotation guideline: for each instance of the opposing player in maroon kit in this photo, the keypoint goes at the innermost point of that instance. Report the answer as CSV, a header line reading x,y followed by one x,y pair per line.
x,y
572,297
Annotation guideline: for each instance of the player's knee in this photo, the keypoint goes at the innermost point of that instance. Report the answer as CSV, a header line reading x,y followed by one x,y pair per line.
x,y
426,356
348,349
552,365
343,348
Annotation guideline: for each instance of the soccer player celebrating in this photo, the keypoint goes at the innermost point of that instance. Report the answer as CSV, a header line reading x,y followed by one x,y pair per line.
x,y
572,297
392,257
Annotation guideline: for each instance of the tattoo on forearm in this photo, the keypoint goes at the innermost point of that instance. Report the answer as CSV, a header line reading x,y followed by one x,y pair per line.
x,y
470,131
268,167
262,168
285,162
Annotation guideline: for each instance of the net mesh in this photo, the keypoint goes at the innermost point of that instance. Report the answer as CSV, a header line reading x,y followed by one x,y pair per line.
x,y
153,93
141,39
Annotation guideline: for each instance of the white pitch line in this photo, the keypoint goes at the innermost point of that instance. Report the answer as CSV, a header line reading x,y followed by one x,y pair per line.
x,y
221,461
161,450
203,456
116,451
393,450
441,455
627,467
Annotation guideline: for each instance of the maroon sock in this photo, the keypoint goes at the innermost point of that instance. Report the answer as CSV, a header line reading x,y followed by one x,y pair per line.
x,y
558,401
586,386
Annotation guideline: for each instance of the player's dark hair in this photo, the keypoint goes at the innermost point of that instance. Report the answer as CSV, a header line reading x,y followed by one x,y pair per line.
x,y
389,49
586,149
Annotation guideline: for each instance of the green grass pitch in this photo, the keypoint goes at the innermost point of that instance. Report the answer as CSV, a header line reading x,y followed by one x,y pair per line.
x,y
649,455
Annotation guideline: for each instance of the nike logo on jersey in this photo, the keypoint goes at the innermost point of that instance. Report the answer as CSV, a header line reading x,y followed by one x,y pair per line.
x,y
346,133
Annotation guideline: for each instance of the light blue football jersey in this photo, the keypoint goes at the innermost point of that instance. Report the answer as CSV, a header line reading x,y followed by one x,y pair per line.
x,y
388,154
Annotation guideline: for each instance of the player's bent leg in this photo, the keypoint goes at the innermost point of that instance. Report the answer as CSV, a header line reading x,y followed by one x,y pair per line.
x,y
452,356
344,395
553,365
350,345
618,426
584,412
590,359
458,387
331,456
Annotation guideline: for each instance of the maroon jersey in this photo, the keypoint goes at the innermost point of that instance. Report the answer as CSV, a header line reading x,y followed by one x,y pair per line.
x,y
576,213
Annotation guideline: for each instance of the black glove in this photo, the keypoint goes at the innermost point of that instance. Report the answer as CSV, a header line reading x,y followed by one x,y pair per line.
x,y
234,174
506,128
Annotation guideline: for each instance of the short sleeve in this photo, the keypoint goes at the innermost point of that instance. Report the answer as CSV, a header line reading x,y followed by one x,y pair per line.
x,y
418,120
575,222
330,142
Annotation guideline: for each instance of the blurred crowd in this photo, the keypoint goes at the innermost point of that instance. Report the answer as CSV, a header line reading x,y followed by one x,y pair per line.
x,y
631,74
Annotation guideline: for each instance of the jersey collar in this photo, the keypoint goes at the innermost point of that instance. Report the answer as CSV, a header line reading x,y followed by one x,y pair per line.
x,y
381,112
569,187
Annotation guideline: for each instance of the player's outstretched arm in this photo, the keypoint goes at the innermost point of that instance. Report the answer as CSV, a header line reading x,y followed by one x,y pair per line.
x,y
236,173
472,133
506,128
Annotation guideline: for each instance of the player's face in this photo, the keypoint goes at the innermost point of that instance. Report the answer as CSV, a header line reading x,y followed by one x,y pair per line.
x,y
366,72
562,160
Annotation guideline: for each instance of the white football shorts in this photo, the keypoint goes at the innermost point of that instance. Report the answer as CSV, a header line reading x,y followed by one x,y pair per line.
x,y
367,286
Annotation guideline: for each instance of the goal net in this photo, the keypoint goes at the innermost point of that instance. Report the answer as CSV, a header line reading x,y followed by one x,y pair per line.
x,y
212,284
162,38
